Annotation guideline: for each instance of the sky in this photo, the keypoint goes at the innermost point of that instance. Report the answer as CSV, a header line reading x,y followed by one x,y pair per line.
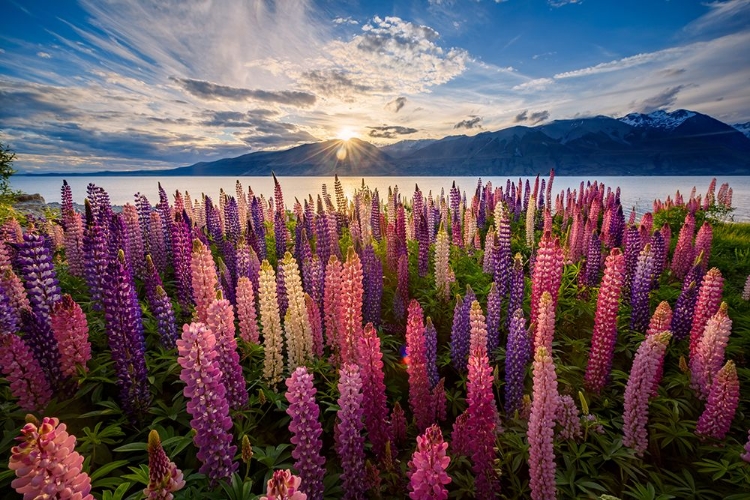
x,y
93,85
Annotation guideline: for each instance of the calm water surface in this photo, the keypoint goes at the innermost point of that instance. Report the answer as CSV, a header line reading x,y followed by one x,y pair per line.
x,y
638,192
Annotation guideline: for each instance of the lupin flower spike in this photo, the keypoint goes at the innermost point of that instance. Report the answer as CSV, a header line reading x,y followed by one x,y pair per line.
x,y
164,476
427,476
541,429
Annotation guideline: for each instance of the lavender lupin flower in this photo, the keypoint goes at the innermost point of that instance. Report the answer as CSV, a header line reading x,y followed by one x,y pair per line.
x,y
38,273
349,439
640,290
430,335
494,310
517,354
684,308
516,287
306,432
208,405
220,320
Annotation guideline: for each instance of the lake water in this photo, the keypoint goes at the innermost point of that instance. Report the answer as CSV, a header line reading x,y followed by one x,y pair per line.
x,y
638,192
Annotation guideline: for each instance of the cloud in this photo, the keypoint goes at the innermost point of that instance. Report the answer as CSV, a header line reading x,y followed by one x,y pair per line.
x,y
723,17
344,20
390,131
535,85
44,55
561,3
664,99
278,140
620,64
473,122
533,118
670,72
336,83
396,104
208,90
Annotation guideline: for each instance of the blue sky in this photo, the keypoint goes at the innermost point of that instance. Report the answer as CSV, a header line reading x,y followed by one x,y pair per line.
x,y
133,84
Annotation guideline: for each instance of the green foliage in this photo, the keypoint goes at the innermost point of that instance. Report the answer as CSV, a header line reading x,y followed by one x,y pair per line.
x,y
6,169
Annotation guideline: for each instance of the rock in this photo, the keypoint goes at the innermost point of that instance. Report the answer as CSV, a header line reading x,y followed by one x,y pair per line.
x,y
30,204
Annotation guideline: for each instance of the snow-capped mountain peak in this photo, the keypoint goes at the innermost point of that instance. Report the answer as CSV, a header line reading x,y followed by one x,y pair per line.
x,y
744,128
658,119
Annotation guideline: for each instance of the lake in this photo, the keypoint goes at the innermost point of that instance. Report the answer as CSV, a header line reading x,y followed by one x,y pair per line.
x,y
638,192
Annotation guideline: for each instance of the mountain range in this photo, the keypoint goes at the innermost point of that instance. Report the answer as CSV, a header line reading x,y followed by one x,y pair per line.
x,y
681,142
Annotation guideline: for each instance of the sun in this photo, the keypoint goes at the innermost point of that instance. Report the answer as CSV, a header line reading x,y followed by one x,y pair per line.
x,y
346,133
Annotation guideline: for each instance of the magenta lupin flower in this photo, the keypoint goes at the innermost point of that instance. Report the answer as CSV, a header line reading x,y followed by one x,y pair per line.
x,y
419,384
24,373
703,243
207,402
708,357
331,298
349,440
427,476
478,332
204,279
639,390
660,322
709,299
541,431
481,424
283,485
370,360
684,253
547,274
72,333
722,403
46,463
605,322
164,476
544,330
306,430
220,316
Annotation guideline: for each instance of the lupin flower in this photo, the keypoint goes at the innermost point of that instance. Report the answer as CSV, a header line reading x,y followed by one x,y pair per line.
x,y
246,311
398,425
461,330
494,311
39,337
427,476
547,273
544,329
24,373
349,440
369,359
157,245
639,390
640,289
372,284
660,322
207,402
164,476
419,384
478,331
401,296
632,250
503,256
204,279
746,456
605,322
38,273
707,304
488,260
684,308
306,430
124,326
350,306
46,463
569,418
518,352
220,317
316,325
517,284
541,429
703,243
134,238
73,236
530,213
481,424
722,403
299,340
283,485
273,362
746,290
684,253
331,299
430,336
443,273
71,330
181,259
593,261
708,356
96,255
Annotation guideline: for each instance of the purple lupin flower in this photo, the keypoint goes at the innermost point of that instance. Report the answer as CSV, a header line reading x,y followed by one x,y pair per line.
x,y
430,335
181,256
257,236
207,402
369,358
641,287
569,418
503,256
419,383
639,390
684,308
460,333
593,261
375,216
306,431
517,354
157,245
349,440
660,250
165,319
95,253
494,310
220,320
279,220
516,287
716,419
122,318
633,249
38,273
372,283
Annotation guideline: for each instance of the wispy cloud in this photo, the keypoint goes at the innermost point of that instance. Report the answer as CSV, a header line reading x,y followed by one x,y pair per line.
x,y
663,100
390,131
208,90
473,122
533,117
396,104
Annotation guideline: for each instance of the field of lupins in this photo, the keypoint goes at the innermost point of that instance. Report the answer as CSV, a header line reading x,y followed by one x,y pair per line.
x,y
503,342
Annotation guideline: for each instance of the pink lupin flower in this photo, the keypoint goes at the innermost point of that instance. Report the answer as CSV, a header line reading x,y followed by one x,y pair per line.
x,y
350,306
246,313
481,424
684,253
541,431
71,330
427,476
709,353
640,388
703,243
660,322
164,476
331,299
544,330
205,282
316,325
220,320
370,360
722,403
605,322
24,373
709,299
15,290
46,463
283,485
547,274
478,332
419,384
